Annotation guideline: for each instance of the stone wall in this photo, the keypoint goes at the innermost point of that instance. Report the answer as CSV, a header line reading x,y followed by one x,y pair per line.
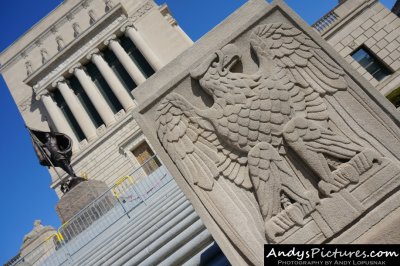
x,y
371,24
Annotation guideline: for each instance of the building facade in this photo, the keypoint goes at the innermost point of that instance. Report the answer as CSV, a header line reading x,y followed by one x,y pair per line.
x,y
75,71
367,35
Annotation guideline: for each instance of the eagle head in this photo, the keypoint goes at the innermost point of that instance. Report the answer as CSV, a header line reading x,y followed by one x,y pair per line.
x,y
222,60
216,65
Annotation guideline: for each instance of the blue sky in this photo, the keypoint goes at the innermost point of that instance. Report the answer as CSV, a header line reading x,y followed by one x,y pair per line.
x,y
24,192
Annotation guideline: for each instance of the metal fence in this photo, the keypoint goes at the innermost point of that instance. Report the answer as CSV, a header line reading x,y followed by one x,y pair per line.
x,y
326,22
113,206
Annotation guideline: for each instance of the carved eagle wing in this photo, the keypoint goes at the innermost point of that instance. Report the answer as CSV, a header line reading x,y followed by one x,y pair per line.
x,y
301,66
192,144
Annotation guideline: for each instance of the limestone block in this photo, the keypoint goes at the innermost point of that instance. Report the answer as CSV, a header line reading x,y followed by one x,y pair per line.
x,y
79,197
272,135
38,244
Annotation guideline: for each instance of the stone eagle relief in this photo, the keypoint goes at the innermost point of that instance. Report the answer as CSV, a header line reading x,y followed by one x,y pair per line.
x,y
241,145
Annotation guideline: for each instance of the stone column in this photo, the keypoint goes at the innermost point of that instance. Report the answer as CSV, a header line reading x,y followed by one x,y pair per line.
x,y
143,47
77,109
59,120
115,84
94,95
123,57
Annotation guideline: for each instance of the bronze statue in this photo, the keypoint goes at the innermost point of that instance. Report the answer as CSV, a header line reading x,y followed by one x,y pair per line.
x,y
55,149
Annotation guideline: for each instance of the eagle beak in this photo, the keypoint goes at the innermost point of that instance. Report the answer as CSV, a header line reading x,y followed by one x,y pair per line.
x,y
201,69
230,55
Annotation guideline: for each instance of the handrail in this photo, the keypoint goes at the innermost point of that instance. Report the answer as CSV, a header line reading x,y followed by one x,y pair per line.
x,y
109,189
326,21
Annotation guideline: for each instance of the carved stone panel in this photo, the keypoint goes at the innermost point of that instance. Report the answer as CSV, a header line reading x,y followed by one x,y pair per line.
x,y
271,135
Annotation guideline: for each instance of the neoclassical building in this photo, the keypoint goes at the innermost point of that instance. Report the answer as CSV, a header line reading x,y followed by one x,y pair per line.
x,y
75,71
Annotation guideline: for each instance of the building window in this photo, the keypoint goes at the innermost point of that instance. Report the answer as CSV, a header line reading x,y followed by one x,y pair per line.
x,y
85,101
104,88
371,63
394,97
68,115
119,70
137,56
145,157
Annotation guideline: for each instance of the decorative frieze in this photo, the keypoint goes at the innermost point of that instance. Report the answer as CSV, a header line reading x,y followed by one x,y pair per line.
x,y
77,29
85,4
44,54
141,11
54,30
70,16
60,43
28,66
25,104
80,53
49,31
92,17
109,4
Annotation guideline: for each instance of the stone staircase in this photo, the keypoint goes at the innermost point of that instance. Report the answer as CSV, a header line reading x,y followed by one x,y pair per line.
x,y
165,230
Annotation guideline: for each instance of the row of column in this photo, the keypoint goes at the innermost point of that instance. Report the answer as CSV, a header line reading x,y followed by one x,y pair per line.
x,y
93,93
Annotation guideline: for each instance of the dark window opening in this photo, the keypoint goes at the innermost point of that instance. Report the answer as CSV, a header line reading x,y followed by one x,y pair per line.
x,y
371,63
119,70
104,88
68,115
394,97
86,103
137,56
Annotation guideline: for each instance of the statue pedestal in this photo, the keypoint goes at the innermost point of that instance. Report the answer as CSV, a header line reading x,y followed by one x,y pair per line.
x,y
81,196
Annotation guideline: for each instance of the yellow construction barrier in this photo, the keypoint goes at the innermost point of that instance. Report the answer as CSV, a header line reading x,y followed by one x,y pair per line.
x,y
119,182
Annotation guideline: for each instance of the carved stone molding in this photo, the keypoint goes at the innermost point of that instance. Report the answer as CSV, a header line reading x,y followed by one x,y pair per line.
x,y
55,83
112,37
93,52
120,114
92,16
83,144
54,30
25,104
38,42
109,4
77,65
45,55
77,29
60,43
69,16
24,55
39,93
129,24
101,130
142,11
28,66
85,4
137,15
49,31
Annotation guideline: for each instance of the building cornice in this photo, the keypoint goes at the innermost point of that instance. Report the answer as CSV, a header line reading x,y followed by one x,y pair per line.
x,y
75,57
51,30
